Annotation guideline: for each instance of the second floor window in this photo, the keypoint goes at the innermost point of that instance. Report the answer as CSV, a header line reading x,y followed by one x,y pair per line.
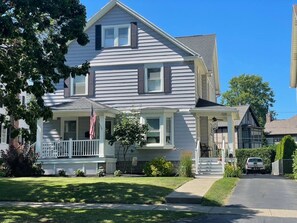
x,y
154,79
79,85
115,36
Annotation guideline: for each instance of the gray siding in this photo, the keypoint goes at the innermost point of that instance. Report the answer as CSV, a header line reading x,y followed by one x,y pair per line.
x,y
51,130
151,47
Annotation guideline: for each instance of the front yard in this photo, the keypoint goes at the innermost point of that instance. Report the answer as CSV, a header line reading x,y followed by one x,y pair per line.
x,y
127,190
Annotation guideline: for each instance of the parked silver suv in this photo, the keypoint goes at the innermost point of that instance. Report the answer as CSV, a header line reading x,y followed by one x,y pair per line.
x,y
254,164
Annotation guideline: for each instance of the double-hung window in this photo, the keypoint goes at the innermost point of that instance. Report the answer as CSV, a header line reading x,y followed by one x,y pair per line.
x,y
154,78
116,36
153,135
79,85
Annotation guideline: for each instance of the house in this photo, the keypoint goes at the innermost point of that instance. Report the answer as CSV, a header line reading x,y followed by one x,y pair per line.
x,y
293,73
4,132
275,130
134,65
248,133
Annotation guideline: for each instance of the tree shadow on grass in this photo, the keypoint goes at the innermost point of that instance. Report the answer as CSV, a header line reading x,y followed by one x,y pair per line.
x,y
97,192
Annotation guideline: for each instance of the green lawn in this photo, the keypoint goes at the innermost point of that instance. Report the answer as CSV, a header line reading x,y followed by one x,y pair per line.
x,y
129,190
60,215
218,194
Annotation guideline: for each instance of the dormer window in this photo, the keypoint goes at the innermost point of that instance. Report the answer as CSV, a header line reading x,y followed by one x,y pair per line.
x,y
116,36
79,85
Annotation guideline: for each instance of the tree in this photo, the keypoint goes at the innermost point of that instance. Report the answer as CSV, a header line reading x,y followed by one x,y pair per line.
x,y
34,38
250,89
128,132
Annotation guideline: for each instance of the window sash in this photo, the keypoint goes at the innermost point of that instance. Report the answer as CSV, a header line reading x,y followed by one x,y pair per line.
x,y
115,36
154,78
79,85
153,135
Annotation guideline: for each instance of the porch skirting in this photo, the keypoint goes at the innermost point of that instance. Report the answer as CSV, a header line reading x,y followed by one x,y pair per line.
x,y
90,166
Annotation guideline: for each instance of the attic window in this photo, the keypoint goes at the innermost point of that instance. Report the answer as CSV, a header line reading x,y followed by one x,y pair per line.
x,y
116,36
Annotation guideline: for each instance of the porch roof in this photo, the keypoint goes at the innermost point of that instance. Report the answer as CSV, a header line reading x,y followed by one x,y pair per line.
x,y
82,105
208,108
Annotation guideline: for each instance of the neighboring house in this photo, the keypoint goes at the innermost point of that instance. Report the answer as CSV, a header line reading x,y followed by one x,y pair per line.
x,y
275,130
248,133
293,74
4,132
134,66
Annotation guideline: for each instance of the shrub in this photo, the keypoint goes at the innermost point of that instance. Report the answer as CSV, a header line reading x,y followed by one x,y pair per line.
x,y
294,157
62,173
285,148
267,154
79,173
20,162
101,172
158,167
117,173
185,165
232,171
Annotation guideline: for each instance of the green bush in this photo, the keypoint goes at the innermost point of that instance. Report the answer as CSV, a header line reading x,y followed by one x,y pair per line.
x,y
294,157
117,173
79,173
232,171
185,165
158,167
62,173
20,162
267,154
285,148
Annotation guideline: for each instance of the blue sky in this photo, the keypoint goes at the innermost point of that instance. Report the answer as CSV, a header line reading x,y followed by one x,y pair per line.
x,y
253,36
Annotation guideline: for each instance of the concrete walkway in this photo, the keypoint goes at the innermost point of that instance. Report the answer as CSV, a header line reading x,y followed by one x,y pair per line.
x,y
162,207
193,191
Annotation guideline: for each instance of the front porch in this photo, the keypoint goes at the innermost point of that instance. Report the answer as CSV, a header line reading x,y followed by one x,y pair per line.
x,y
65,142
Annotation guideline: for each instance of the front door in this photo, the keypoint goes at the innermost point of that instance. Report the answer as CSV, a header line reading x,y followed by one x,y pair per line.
x,y
70,129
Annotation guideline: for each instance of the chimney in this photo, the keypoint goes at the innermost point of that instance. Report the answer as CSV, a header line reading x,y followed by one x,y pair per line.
x,y
268,117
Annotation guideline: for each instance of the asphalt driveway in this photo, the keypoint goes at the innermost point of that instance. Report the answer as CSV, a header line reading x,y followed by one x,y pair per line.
x,y
265,191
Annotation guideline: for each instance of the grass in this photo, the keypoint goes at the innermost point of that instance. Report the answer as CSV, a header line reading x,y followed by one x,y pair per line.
x,y
219,192
60,215
127,190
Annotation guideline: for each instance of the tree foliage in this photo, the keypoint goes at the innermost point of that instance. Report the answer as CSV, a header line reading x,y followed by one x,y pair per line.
x,y
250,89
34,38
129,132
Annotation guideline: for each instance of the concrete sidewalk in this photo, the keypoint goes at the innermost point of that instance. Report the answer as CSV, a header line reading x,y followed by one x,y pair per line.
x,y
193,191
162,207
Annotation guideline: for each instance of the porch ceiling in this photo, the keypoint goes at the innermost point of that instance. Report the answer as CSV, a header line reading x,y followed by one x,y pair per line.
x,y
81,106
213,110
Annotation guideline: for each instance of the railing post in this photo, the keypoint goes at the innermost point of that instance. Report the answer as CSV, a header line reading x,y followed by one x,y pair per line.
x,y
223,156
70,146
197,157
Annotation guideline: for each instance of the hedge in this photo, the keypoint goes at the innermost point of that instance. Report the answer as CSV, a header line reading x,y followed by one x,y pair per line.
x,y
285,148
266,153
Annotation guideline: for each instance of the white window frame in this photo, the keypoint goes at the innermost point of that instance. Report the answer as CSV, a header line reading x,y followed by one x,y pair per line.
x,y
162,128
3,139
152,66
116,35
86,86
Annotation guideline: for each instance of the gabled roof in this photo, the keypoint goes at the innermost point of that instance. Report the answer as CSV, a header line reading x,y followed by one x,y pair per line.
x,y
205,103
114,3
242,109
81,104
282,127
293,73
202,44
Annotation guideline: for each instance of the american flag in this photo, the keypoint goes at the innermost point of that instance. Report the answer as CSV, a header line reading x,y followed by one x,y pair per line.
x,y
92,124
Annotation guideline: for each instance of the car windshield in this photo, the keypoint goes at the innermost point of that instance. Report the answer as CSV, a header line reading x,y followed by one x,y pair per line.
x,y
254,160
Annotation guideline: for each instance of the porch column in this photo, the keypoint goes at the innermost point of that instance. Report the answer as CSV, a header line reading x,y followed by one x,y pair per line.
x,y
102,136
39,136
231,134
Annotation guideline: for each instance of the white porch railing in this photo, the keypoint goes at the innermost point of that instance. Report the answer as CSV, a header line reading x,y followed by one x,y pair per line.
x,y
70,148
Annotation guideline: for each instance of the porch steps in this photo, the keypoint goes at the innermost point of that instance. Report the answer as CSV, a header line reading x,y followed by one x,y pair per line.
x,y
209,167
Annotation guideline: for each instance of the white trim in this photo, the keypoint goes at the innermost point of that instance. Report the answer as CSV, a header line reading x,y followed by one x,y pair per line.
x,y
86,86
152,66
116,35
